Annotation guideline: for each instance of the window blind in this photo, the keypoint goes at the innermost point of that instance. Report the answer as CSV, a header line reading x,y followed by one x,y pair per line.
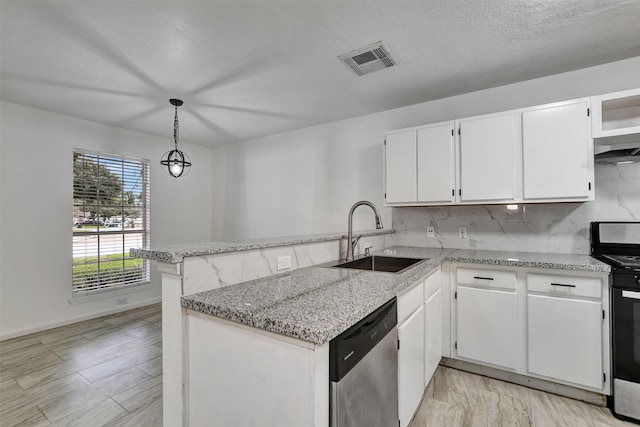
x,y
110,216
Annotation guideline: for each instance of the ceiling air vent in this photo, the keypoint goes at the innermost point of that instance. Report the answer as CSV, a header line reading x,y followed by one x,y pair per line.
x,y
369,59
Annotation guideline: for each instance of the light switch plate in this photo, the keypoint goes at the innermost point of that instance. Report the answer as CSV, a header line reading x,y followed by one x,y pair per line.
x,y
284,262
462,233
431,231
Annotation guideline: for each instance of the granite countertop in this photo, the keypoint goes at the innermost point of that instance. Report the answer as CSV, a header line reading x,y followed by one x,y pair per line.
x,y
176,253
530,259
314,304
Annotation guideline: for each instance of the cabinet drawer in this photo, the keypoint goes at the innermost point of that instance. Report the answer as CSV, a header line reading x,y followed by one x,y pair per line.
x,y
409,301
565,285
490,278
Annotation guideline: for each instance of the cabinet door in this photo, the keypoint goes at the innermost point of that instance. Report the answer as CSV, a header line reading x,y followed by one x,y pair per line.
x,y
436,164
557,153
400,167
432,334
487,326
565,339
410,365
487,149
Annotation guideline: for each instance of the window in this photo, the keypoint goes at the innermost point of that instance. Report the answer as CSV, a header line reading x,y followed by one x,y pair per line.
x,y
110,216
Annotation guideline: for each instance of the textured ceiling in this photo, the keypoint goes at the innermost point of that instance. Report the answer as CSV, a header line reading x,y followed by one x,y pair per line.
x,y
251,69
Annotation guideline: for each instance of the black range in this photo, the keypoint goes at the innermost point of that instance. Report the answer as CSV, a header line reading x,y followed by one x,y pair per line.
x,y
618,244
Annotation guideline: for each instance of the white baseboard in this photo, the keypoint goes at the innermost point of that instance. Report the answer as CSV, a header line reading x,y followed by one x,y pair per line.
x,y
50,325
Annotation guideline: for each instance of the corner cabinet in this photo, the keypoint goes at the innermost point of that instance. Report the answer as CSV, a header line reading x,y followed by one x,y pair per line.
x,y
419,165
547,324
538,154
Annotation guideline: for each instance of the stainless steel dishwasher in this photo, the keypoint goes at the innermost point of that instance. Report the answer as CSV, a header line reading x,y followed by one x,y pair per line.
x,y
363,371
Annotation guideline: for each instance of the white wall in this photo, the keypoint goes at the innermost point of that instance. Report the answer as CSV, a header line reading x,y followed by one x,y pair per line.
x,y
35,212
305,181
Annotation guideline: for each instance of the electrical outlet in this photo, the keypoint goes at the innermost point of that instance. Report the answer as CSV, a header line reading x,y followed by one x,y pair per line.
x,y
462,233
284,262
431,231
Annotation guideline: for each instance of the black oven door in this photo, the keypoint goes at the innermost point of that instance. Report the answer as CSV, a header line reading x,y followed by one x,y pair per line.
x,y
626,334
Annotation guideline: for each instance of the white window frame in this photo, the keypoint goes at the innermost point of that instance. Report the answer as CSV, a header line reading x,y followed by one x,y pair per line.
x,y
84,287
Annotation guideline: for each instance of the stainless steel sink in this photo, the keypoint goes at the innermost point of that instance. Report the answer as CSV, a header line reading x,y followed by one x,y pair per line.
x,y
380,263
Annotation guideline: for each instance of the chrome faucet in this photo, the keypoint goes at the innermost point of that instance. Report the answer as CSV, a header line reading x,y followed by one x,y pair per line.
x,y
350,240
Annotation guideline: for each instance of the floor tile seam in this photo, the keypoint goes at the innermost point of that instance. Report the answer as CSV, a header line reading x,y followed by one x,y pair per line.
x,y
81,353
72,372
3,363
119,331
43,414
120,372
118,403
9,353
48,364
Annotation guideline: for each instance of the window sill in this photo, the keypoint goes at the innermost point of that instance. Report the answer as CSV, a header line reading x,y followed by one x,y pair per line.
x,y
109,293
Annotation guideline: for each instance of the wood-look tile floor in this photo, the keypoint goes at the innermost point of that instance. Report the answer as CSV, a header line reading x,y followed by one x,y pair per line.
x,y
456,398
108,372
105,371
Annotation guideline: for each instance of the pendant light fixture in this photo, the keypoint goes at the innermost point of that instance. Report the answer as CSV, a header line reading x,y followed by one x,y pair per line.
x,y
175,162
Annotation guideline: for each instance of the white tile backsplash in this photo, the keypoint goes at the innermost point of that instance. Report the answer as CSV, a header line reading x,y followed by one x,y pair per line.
x,y
546,227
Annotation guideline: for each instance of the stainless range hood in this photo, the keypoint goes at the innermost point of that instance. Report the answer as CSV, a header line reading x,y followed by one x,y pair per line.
x,y
618,152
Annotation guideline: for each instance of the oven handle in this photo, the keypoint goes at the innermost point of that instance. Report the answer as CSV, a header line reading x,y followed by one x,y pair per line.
x,y
631,294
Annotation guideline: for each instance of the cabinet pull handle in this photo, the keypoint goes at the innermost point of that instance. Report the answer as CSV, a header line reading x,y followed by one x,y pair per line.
x,y
483,278
562,284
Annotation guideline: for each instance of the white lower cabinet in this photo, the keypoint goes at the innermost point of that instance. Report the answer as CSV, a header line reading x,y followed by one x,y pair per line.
x,y
565,339
410,365
549,324
419,342
486,326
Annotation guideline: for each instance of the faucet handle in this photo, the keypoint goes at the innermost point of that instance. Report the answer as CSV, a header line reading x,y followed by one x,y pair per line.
x,y
378,222
367,251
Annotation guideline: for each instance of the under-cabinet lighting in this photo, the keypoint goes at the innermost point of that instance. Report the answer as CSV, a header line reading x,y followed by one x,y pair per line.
x,y
512,207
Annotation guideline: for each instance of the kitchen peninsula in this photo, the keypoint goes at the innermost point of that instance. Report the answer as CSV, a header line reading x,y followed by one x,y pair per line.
x,y
277,329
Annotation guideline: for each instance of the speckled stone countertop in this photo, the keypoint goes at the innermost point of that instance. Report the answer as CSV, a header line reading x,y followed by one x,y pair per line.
x,y
176,253
530,259
314,304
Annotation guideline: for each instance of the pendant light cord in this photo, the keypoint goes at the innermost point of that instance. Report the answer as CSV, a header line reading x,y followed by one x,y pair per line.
x,y
176,129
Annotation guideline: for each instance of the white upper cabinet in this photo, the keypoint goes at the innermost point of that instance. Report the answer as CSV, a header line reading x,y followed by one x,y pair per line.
x,y
538,154
400,167
558,152
487,148
436,164
616,114
420,165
